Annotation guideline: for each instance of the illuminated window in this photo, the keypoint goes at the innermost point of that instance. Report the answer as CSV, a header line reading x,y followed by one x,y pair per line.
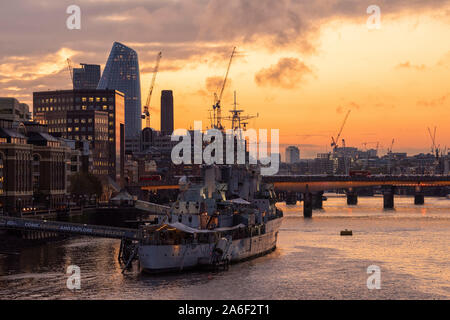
x,y
84,99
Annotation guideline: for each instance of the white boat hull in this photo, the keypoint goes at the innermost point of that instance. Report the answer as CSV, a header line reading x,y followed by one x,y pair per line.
x,y
164,258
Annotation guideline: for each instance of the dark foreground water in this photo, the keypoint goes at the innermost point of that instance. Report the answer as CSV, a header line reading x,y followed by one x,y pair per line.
x,y
411,245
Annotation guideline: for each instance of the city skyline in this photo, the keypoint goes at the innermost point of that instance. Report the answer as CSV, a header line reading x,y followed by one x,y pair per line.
x,y
311,65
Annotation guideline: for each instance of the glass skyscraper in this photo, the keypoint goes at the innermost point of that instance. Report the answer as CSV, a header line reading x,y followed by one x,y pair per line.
x,y
122,73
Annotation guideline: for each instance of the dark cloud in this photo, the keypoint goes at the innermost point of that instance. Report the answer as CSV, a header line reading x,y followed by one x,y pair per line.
x,y
189,32
348,106
409,65
442,101
213,86
288,73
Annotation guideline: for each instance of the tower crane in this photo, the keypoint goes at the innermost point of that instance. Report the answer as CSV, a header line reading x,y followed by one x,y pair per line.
x,y
218,98
391,147
334,141
435,149
69,66
389,153
433,137
146,114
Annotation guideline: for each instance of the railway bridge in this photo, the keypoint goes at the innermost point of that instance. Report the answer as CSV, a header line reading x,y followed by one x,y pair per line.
x,y
312,187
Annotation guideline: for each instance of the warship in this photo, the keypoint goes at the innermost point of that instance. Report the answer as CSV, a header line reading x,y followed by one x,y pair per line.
x,y
227,217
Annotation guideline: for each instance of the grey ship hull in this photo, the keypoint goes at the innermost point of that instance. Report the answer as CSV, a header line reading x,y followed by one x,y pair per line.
x,y
167,258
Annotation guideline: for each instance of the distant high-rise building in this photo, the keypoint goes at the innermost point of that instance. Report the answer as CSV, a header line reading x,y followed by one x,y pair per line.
x,y
86,77
166,112
122,73
292,154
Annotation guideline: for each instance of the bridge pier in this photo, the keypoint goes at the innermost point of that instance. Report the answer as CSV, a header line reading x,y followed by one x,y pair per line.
x,y
307,205
388,198
419,198
352,198
317,200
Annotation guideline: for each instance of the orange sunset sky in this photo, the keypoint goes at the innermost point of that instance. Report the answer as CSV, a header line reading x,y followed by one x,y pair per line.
x,y
301,64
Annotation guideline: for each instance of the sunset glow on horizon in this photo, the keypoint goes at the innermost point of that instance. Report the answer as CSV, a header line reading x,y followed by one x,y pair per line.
x,y
395,79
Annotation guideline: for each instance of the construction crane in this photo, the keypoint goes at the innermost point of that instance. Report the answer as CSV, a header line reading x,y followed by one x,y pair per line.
x,y
435,149
218,98
433,138
69,66
146,114
389,154
334,141
391,147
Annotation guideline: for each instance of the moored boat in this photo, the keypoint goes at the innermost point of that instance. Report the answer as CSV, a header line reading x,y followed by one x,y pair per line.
x,y
231,216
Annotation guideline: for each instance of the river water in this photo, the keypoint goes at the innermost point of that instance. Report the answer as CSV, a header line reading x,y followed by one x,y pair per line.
x,y
410,245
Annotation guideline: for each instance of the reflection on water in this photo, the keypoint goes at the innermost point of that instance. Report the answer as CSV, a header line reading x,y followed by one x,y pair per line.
x,y
312,261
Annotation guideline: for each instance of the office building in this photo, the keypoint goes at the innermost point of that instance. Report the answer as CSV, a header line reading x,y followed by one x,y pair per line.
x,y
167,112
86,77
32,168
12,109
96,116
292,154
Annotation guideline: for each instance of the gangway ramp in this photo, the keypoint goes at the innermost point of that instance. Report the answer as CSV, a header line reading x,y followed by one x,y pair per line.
x,y
152,208
68,228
